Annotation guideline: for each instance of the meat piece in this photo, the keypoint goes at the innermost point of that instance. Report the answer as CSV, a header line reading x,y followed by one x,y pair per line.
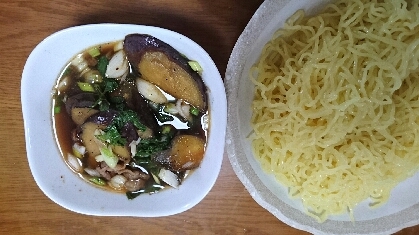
x,y
121,169
134,174
134,185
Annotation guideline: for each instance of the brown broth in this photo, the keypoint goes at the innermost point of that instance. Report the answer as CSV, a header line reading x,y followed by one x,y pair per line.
x,y
63,127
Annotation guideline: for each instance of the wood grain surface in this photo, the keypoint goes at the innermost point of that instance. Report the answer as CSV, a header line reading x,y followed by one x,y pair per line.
x,y
24,209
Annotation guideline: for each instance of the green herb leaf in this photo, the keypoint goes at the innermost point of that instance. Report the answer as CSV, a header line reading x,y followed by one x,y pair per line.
x,y
112,133
162,117
104,105
150,146
107,156
102,89
102,64
152,188
112,136
109,84
160,112
129,116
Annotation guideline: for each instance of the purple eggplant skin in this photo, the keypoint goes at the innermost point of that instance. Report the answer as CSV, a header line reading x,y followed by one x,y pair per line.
x,y
136,45
129,132
104,118
137,103
80,100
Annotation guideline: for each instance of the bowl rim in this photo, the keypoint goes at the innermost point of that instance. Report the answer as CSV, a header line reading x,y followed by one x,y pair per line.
x,y
66,188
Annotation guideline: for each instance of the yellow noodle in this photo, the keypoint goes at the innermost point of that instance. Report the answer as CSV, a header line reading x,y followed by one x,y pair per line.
x,y
336,106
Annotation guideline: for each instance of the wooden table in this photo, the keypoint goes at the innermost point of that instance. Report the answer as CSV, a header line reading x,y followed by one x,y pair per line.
x,y
24,209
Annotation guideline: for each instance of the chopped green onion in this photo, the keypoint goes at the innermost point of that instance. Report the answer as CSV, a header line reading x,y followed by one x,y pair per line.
x,y
170,108
78,150
165,129
168,129
195,66
194,111
156,179
159,112
98,181
57,109
107,156
84,86
94,52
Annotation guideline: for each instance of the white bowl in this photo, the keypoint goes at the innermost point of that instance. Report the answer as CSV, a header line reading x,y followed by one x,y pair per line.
x,y
401,210
50,172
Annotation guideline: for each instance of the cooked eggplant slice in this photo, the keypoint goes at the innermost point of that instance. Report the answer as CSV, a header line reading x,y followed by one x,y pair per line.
x,y
80,115
80,107
104,117
80,100
88,137
186,153
162,65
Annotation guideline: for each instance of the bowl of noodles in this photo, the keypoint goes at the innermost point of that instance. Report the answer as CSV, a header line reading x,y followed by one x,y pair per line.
x,y
323,125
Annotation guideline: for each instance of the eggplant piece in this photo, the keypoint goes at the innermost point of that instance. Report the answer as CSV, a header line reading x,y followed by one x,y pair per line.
x,y
121,151
80,100
129,132
79,107
103,118
80,115
162,65
87,137
134,101
143,110
186,153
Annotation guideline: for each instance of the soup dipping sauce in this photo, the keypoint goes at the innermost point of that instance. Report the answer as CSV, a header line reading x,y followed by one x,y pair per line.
x,y
58,181
131,116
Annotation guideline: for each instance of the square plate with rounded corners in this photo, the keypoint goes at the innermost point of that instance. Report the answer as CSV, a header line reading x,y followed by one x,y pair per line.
x,y
50,172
